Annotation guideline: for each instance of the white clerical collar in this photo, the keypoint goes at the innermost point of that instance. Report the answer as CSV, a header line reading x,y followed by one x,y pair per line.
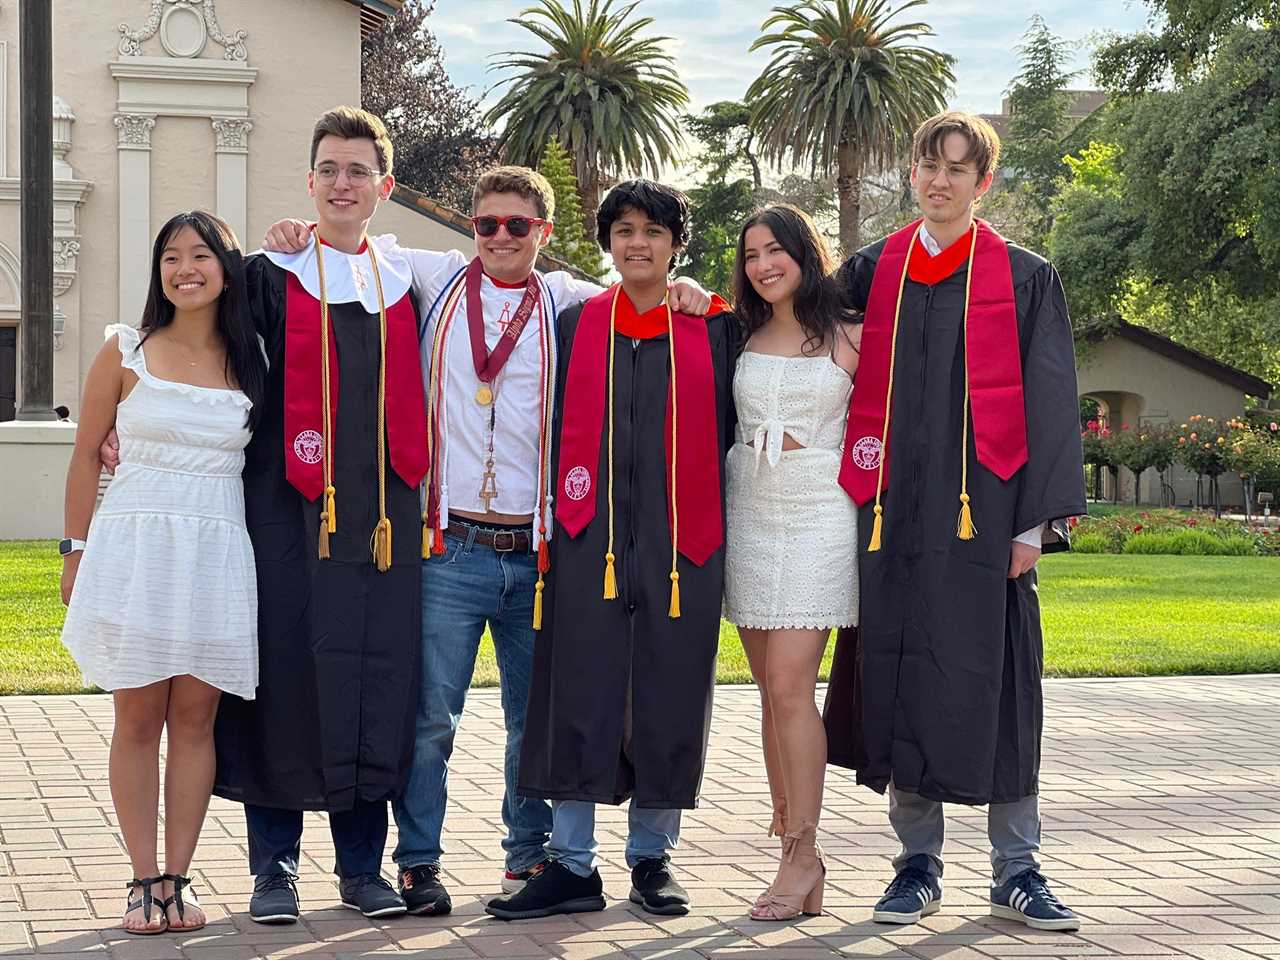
x,y
931,246
349,276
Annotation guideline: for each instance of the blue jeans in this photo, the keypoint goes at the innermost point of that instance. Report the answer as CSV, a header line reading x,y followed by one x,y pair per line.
x,y
464,588
1012,828
650,834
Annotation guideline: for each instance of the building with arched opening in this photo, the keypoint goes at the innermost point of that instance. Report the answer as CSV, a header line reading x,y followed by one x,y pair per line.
x,y
1138,377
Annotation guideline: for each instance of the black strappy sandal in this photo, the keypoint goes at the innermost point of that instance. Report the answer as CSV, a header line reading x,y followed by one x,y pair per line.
x,y
145,903
176,900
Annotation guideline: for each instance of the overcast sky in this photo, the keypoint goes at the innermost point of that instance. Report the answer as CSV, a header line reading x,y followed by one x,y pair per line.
x,y
710,39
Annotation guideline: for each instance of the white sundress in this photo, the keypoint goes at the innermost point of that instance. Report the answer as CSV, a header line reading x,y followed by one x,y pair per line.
x,y
167,584
791,541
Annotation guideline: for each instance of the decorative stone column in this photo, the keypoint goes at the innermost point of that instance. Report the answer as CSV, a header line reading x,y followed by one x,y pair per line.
x,y
134,186
231,137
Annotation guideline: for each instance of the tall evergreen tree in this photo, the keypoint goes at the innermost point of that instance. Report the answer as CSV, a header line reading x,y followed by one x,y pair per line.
x,y
1039,103
569,241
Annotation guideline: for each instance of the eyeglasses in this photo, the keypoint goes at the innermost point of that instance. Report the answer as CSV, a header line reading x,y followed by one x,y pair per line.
x,y
516,226
357,174
930,169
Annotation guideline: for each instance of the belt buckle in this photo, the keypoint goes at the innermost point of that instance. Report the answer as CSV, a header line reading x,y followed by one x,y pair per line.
x,y
497,539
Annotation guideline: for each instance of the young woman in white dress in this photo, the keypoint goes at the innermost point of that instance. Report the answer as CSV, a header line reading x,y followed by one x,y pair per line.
x,y
791,567
160,586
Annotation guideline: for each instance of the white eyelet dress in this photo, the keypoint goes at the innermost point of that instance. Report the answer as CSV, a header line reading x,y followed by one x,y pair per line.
x,y
167,584
792,537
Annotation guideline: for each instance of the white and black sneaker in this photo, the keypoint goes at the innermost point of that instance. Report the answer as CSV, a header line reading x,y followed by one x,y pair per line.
x,y
513,881
1028,899
914,893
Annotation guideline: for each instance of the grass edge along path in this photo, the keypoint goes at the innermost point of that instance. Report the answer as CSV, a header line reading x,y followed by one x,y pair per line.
x,y
1104,616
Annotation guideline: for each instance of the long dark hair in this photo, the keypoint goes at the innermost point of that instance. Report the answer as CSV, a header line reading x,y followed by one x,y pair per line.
x,y
818,303
244,355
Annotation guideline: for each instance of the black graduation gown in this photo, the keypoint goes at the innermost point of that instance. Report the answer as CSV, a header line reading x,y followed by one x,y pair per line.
x,y
338,642
620,700
939,687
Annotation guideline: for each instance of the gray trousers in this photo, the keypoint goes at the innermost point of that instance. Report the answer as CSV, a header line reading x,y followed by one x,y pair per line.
x,y
1012,828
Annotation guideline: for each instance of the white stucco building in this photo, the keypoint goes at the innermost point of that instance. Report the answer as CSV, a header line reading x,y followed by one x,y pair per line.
x,y
162,106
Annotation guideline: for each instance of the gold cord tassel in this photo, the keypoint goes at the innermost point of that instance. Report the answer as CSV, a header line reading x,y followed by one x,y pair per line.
x,y
965,529
610,578
876,528
673,611
964,526
382,545
329,511
426,537
537,603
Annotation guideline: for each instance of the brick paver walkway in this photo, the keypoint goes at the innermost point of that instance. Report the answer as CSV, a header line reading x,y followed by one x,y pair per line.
x,y
1162,828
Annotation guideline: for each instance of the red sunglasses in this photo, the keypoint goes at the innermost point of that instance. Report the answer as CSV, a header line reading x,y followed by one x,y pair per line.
x,y
516,226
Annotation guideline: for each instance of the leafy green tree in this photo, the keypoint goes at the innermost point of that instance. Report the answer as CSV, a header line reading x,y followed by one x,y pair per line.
x,y
719,208
1172,229
610,96
569,240
844,91
1191,36
442,144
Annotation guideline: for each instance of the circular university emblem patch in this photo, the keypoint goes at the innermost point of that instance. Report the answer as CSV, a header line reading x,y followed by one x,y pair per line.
x,y
577,483
867,453
308,446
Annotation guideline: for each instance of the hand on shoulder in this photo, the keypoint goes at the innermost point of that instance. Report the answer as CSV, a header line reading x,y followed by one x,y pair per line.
x,y
287,236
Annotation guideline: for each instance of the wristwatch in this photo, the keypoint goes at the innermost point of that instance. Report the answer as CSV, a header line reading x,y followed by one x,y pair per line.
x,y
68,547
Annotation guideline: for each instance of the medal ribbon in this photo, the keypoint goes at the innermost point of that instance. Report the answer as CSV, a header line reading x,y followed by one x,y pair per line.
x,y
487,364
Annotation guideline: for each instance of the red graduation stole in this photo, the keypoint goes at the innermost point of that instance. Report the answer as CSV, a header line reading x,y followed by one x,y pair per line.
x,y
303,421
693,408
992,357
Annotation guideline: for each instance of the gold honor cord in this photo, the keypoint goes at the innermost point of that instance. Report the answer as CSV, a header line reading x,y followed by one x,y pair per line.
x,y
611,578
381,541
674,610
878,524
328,509
965,529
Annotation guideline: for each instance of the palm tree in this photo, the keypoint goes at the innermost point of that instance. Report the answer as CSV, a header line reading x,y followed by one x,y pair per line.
x,y
612,98
845,89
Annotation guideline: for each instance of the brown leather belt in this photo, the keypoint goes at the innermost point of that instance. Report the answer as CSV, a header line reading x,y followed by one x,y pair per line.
x,y
502,541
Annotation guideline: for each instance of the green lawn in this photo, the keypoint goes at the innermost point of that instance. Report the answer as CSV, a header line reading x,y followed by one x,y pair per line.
x,y
1103,616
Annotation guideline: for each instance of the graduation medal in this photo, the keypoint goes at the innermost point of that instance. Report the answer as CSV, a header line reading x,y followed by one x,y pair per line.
x,y
488,365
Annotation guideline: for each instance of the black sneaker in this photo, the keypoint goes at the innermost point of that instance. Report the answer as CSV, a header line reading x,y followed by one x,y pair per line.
x,y
655,889
556,889
371,895
423,892
914,893
1028,899
275,899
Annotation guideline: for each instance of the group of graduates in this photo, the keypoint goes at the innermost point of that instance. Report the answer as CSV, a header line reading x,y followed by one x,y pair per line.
x,y
556,473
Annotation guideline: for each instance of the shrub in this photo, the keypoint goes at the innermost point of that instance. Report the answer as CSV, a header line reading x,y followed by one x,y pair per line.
x,y
1189,543
1090,543
1167,531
